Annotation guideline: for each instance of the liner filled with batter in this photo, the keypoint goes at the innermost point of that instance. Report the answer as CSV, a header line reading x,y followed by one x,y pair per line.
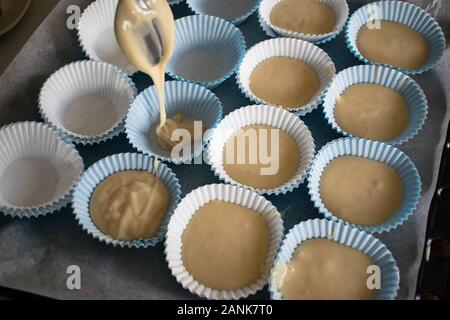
x,y
377,103
397,34
289,73
325,260
366,184
222,241
126,200
317,21
262,147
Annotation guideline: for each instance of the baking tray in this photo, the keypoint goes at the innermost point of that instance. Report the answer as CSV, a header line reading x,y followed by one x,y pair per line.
x,y
434,273
34,254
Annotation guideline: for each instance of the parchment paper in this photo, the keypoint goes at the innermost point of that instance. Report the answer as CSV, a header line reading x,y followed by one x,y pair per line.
x,y
34,254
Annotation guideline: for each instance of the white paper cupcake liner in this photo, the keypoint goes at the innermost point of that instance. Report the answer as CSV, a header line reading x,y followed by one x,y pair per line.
x,y
106,167
183,214
191,100
36,142
208,50
293,48
340,8
375,150
267,30
405,13
97,37
346,235
404,85
84,85
236,12
264,115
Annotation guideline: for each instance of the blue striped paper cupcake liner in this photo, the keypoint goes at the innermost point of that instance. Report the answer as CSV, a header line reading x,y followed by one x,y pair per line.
x,y
236,11
302,50
208,50
191,100
401,12
108,166
265,115
393,79
345,235
339,7
183,214
374,150
36,140
82,79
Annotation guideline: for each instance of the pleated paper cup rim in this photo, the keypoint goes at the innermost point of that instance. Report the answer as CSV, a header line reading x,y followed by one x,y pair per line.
x,y
262,115
98,17
390,78
26,138
183,214
108,166
189,99
77,79
174,2
374,150
298,49
339,7
346,235
267,30
236,20
194,38
405,13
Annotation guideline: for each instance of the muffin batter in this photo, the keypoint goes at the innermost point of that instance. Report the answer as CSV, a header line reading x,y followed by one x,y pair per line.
x,y
165,139
225,245
304,16
372,111
394,44
243,161
360,190
130,205
322,269
285,82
